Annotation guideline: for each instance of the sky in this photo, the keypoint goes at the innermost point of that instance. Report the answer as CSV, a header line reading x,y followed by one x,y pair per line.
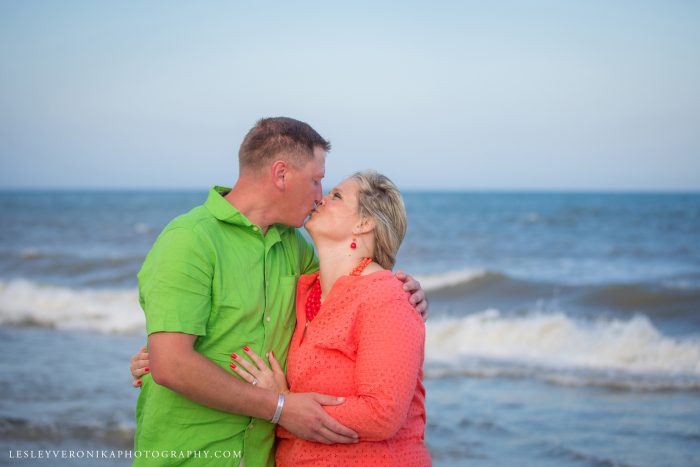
x,y
501,95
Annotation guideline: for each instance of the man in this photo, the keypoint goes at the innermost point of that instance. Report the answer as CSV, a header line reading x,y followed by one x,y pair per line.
x,y
221,277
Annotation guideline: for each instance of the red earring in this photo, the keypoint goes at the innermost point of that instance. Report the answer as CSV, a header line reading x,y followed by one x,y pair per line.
x,y
353,245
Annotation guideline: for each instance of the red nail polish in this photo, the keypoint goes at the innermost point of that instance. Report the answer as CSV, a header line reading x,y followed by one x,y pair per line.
x,y
246,348
138,382
233,366
272,352
234,356
146,369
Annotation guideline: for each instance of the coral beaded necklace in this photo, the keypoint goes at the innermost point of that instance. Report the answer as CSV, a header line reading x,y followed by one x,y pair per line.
x,y
313,301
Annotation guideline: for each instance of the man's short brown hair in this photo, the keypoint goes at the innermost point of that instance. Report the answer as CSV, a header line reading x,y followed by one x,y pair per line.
x,y
279,138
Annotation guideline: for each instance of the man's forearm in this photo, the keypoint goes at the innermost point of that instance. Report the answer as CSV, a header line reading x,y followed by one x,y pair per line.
x,y
189,373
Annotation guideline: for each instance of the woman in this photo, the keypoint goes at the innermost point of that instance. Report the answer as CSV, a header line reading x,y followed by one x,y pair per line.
x,y
356,336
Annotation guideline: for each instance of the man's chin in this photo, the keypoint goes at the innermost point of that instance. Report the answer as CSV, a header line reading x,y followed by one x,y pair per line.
x,y
301,223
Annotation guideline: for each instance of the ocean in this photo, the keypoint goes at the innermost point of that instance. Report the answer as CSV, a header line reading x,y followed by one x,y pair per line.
x,y
564,328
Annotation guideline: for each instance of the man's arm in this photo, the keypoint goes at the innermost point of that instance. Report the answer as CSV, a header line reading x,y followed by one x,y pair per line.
x,y
176,365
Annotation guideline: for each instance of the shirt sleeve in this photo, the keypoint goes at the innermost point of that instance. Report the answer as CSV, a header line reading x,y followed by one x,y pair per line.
x,y
175,283
309,260
390,346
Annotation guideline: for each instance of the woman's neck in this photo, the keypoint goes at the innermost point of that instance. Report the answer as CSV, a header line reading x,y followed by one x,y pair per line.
x,y
336,261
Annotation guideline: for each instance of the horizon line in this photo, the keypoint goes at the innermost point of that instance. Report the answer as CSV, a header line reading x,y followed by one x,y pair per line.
x,y
123,189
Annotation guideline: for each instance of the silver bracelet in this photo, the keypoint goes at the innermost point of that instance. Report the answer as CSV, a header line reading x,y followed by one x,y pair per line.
x,y
278,411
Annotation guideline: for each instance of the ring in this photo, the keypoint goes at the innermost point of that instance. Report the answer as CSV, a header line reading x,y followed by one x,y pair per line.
x,y
255,381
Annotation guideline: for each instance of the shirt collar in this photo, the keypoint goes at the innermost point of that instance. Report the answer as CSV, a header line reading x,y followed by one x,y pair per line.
x,y
226,212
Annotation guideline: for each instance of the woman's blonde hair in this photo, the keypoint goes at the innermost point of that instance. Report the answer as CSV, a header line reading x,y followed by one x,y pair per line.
x,y
378,198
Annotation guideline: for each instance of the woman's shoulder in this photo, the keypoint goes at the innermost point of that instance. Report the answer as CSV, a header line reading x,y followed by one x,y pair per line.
x,y
383,302
383,286
382,278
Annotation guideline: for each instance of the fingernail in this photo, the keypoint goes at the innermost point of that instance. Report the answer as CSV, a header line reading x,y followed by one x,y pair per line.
x,y
246,348
233,366
146,369
341,399
272,352
234,356
138,382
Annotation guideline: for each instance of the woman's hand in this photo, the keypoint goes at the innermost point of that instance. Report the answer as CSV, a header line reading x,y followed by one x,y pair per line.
x,y
139,366
257,373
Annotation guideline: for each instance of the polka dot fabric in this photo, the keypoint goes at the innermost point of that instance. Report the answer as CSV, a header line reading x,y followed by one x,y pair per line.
x,y
366,344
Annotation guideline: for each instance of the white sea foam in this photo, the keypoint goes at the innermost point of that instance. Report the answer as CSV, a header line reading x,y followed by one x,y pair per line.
x,y
448,279
107,311
30,253
559,342
682,284
143,228
598,351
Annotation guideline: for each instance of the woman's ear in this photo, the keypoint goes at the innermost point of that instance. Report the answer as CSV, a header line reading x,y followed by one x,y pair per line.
x,y
366,225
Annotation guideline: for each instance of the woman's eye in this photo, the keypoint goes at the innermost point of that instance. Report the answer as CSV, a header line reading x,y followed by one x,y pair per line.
x,y
337,195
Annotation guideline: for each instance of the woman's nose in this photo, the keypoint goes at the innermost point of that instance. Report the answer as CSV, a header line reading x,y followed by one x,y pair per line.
x,y
324,199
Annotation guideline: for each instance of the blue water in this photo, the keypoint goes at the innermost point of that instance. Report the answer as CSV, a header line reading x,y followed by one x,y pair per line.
x,y
564,327
568,237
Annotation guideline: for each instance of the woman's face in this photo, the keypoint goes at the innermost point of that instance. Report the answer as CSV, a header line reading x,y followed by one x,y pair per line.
x,y
336,216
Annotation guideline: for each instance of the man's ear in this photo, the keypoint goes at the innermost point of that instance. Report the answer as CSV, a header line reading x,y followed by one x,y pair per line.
x,y
279,171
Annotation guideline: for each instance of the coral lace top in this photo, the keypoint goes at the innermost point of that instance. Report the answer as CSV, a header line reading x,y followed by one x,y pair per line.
x,y
366,344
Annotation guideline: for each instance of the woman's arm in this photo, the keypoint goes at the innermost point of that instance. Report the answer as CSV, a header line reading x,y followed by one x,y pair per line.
x,y
390,340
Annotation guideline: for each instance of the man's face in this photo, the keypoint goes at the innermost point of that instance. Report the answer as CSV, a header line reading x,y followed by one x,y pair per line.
x,y
303,189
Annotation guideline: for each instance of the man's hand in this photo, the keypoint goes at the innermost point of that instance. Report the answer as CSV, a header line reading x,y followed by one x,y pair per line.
x,y
303,415
417,298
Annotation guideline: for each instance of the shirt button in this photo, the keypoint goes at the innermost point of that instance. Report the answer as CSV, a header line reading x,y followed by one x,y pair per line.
x,y
250,427
255,228
267,319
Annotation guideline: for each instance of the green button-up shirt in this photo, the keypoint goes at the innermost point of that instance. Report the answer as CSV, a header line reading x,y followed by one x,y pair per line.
x,y
213,274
